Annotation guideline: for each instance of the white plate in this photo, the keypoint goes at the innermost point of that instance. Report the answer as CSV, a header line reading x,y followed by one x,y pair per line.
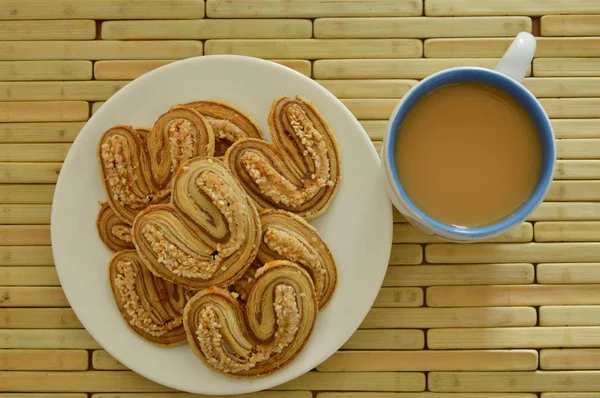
x,y
357,226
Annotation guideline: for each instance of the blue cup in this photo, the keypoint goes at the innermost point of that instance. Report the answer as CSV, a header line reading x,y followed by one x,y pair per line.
x,y
507,77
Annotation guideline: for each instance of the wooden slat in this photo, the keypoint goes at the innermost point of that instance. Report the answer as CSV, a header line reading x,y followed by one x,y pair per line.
x,y
26,193
568,273
96,381
374,108
578,149
100,9
420,27
28,276
514,381
566,67
386,339
27,296
587,231
37,173
406,233
474,274
420,395
513,252
536,295
570,316
261,394
39,318
120,70
357,381
397,297
390,68
25,214
422,318
96,106
577,169
551,211
311,9
576,128
376,129
372,88
299,65
26,255
495,47
24,235
33,152
102,360
99,49
208,29
570,25
406,254
573,191
43,360
318,48
563,108
44,111
43,70
543,87
48,30
570,359
39,132
38,91
362,361
46,395
509,7
569,395
535,337
46,339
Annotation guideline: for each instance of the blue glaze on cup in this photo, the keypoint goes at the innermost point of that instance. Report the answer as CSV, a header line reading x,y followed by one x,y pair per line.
x,y
505,82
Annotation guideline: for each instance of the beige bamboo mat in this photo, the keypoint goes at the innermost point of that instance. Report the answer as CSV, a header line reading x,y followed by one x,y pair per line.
x,y
517,317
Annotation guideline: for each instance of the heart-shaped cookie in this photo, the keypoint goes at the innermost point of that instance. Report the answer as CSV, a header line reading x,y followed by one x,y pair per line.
x,y
137,167
209,233
300,171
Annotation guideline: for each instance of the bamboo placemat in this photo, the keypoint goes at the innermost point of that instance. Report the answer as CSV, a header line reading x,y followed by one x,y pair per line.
x,y
517,317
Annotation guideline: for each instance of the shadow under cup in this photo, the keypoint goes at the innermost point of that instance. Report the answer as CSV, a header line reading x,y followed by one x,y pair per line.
x,y
499,81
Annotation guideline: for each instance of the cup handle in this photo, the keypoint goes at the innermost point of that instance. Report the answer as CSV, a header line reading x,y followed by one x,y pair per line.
x,y
517,59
